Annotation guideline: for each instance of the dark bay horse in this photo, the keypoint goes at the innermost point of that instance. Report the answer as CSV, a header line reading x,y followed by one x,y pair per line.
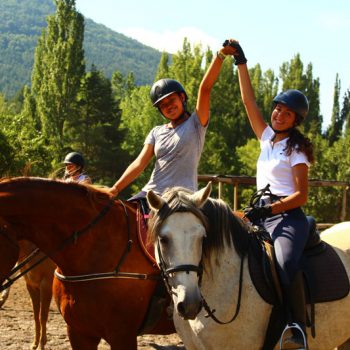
x,y
105,280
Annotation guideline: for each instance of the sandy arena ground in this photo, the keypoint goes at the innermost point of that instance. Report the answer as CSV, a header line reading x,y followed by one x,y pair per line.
x,y
17,327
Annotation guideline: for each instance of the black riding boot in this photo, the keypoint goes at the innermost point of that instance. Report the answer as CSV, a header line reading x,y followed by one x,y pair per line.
x,y
295,295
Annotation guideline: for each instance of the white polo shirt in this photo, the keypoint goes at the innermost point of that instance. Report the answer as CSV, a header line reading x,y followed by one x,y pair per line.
x,y
274,167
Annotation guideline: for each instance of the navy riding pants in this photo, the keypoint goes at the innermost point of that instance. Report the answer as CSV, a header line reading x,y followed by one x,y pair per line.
x,y
289,232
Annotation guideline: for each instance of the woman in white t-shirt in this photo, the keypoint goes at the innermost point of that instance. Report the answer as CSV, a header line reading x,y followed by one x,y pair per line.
x,y
284,161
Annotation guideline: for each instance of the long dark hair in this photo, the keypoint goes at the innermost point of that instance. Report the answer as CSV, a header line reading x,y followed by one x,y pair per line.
x,y
297,141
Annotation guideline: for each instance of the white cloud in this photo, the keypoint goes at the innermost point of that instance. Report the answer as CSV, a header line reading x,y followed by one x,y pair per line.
x,y
171,41
334,21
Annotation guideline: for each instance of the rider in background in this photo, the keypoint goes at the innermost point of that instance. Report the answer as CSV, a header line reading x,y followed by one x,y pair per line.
x,y
178,144
284,161
74,163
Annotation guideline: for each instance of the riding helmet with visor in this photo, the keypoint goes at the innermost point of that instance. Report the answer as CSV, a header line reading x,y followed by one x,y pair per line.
x,y
163,88
74,158
296,101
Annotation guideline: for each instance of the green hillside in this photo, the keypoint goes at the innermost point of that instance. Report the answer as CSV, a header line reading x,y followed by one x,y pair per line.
x,y
21,23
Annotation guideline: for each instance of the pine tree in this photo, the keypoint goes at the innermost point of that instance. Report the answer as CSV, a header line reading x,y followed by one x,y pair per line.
x,y
94,132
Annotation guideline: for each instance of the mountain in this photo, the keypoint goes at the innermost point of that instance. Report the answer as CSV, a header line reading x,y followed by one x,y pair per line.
x,y
21,24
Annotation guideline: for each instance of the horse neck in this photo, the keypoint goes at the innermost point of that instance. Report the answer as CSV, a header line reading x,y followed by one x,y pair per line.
x,y
45,217
223,264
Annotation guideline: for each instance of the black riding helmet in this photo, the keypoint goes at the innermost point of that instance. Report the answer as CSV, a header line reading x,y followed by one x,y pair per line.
x,y
296,101
163,88
74,158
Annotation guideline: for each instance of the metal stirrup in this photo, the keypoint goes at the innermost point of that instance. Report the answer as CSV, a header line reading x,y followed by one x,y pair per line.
x,y
291,326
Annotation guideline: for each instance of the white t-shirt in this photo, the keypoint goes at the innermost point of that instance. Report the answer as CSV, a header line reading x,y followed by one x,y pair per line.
x,y
274,167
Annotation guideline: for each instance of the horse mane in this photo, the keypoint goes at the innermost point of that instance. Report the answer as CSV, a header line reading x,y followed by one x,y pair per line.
x,y
93,192
222,226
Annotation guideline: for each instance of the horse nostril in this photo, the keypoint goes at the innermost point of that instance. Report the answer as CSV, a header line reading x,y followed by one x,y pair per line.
x,y
181,308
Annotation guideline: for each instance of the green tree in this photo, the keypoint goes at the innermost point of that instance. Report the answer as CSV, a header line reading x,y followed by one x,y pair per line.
x,y
293,77
137,120
58,69
335,129
345,112
94,131
24,151
186,67
163,67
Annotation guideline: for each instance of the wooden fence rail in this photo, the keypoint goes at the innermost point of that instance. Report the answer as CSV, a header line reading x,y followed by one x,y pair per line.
x,y
235,181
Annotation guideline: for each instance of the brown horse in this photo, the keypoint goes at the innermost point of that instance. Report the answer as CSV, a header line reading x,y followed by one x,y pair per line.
x,y
105,280
39,285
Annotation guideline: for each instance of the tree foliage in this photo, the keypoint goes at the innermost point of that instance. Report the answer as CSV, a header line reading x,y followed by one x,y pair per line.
x,y
107,119
58,68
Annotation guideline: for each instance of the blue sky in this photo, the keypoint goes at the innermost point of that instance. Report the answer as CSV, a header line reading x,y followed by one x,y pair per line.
x,y
271,32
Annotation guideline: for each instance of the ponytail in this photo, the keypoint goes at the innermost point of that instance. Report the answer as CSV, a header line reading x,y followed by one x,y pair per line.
x,y
297,141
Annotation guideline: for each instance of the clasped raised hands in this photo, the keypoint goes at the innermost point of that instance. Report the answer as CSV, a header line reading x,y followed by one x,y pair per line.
x,y
232,47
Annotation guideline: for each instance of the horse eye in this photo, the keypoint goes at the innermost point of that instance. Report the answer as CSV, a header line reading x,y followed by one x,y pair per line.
x,y
164,240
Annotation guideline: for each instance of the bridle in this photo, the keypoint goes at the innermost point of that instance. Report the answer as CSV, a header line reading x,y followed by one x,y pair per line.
x,y
166,271
13,276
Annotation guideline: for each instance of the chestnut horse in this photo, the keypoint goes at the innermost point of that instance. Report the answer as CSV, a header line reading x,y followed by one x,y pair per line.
x,y
200,247
104,281
39,285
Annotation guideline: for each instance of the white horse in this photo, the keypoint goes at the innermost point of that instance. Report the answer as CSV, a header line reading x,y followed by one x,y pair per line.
x,y
179,230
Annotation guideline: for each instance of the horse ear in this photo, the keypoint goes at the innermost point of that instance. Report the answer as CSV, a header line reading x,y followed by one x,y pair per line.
x,y
154,201
201,196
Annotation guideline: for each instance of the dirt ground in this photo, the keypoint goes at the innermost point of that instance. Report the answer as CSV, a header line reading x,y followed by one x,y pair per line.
x,y
17,327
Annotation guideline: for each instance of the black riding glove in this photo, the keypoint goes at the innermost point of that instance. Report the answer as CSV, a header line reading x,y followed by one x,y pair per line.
x,y
256,213
239,56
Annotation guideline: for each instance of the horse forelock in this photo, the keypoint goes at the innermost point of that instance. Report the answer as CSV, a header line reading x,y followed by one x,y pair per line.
x,y
221,225
176,200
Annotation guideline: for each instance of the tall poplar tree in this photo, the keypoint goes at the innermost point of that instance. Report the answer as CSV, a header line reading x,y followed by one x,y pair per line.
x,y
163,67
335,129
345,113
58,69
293,77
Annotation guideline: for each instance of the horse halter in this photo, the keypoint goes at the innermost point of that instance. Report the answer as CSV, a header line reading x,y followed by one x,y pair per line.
x,y
166,271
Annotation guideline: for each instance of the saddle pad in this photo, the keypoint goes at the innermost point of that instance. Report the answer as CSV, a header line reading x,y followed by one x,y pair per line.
x,y
142,231
326,277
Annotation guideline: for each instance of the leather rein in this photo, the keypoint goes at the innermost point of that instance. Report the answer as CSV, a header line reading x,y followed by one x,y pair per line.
x,y
13,276
166,271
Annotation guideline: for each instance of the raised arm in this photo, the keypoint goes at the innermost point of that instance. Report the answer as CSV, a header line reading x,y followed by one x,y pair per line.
x,y
207,83
247,93
134,169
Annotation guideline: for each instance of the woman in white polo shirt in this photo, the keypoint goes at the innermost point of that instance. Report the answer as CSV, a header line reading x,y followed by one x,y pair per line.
x,y
285,157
